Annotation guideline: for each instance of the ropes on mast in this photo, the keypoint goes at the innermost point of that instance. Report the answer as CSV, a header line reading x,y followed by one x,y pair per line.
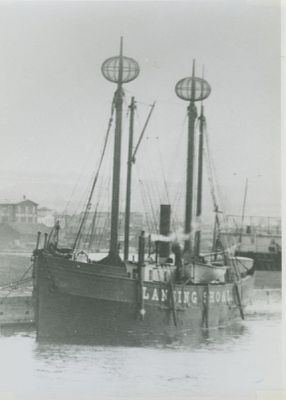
x,y
211,182
226,247
96,176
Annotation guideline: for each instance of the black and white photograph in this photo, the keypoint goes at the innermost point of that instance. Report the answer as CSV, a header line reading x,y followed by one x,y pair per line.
x,y
140,200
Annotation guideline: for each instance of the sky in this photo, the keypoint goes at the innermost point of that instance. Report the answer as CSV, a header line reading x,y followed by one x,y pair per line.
x,y
55,103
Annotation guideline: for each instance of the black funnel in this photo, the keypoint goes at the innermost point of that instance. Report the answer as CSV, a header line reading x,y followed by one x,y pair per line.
x,y
165,224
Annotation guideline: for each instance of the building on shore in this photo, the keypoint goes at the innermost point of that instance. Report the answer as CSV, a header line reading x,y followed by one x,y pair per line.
x,y
24,211
46,216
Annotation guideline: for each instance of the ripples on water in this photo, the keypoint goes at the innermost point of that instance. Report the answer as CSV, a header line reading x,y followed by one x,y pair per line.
x,y
230,363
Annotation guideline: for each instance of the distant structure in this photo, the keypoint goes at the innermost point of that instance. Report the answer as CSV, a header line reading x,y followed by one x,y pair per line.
x,y
46,216
24,211
97,230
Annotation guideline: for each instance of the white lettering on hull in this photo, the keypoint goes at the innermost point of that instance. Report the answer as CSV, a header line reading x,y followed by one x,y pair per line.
x,y
155,295
188,297
163,294
145,294
194,297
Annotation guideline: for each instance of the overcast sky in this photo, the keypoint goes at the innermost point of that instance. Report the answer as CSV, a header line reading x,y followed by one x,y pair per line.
x,y
55,103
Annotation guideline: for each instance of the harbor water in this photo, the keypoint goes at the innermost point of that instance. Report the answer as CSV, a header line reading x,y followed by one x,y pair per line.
x,y
235,362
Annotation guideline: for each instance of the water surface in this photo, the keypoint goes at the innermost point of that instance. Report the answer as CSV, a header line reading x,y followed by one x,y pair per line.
x,y
234,363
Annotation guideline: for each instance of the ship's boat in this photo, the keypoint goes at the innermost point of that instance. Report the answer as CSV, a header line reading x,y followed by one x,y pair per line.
x,y
116,300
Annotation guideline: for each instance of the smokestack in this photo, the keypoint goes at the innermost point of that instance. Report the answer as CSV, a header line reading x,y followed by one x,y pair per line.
x,y
165,224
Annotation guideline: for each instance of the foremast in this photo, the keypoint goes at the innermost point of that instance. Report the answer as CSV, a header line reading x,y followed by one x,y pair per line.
x,y
118,100
120,70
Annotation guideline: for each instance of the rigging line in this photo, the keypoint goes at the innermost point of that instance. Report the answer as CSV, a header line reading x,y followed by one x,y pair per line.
x,y
213,168
218,219
148,187
178,144
152,187
90,231
174,219
91,151
143,131
146,208
92,227
75,219
15,284
101,191
72,195
134,94
106,221
96,210
19,280
162,171
143,198
146,205
104,230
177,204
179,190
78,206
153,212
97,173
145,104
210,173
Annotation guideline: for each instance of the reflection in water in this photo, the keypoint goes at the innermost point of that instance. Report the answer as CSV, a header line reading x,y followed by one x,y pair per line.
x,y
240,359
201,339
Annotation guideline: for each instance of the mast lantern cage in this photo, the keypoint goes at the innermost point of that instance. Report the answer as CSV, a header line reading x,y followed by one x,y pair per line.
x,y
111,67
202,89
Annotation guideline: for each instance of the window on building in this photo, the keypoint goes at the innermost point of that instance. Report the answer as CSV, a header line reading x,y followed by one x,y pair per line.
x,y
150,275
165,276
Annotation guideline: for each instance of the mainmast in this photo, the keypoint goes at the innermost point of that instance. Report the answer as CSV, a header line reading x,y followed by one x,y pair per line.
x,y
191,89
197,244
128,185
120,70
192,113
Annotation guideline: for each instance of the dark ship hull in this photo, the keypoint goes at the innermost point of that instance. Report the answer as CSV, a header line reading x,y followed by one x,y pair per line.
x,y
93,303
